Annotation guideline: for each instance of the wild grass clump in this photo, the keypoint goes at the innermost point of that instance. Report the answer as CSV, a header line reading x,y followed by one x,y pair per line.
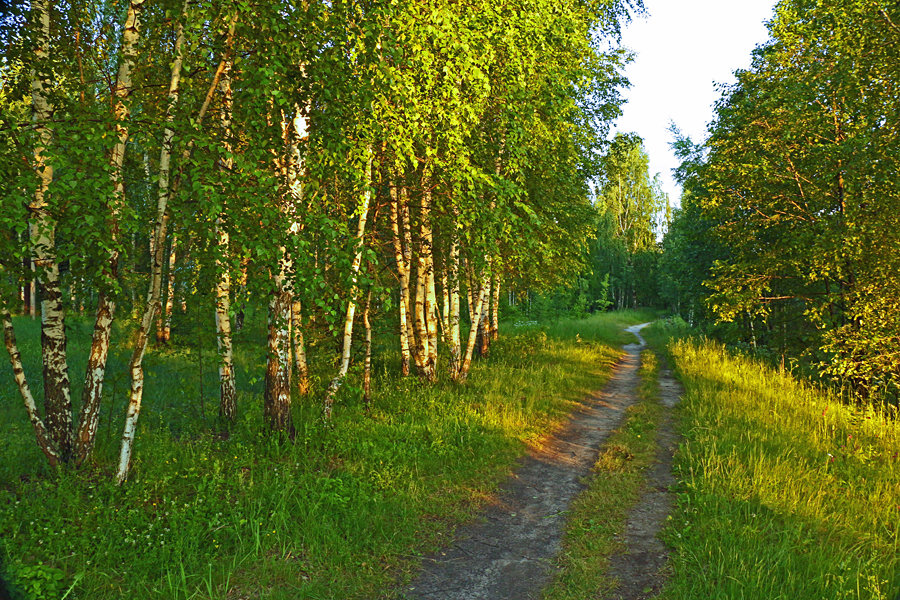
x,y
786,493
339,512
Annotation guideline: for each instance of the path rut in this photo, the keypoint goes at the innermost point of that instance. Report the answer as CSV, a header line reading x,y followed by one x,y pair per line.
x,y
640,569
507,554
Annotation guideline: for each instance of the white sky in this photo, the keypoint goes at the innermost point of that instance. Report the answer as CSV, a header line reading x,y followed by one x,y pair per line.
x,y
683,49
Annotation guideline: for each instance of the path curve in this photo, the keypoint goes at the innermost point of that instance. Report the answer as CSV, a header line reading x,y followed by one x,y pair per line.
x,y
507,554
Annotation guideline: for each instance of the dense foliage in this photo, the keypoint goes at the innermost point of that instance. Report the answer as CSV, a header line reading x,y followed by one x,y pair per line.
x,y
789,230
343,163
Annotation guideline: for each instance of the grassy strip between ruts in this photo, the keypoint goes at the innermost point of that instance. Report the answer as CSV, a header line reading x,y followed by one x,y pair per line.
x,y
785,492
341,512
598,515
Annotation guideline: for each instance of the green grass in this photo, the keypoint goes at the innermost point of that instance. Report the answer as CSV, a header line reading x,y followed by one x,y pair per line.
x,y
599,513
341,512
785,492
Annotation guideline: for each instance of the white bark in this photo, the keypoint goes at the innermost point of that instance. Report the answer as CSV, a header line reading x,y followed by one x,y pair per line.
x,y
296,178
93,379
367,367
454,316
420,349
445,300
227,388
277,397
100,347
483,338
40,429
354,291
300,364
495,308
479,301
403,274
123,88
164,332
431,319
406,230
57,399
431,306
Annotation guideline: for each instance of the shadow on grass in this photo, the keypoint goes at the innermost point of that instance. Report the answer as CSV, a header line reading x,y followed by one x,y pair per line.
x,y
785,492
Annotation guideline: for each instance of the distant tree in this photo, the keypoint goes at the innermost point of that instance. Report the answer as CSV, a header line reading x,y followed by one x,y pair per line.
x,y
631,204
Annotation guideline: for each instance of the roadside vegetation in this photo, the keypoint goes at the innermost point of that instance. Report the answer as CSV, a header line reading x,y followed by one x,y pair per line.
x,y
598,515
341,511
785,492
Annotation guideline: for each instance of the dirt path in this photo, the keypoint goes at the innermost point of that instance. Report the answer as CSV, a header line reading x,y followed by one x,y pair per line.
x,y
640,569
508,552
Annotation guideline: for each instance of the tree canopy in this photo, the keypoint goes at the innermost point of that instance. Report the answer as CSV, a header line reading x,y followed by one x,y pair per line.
x,y
790,211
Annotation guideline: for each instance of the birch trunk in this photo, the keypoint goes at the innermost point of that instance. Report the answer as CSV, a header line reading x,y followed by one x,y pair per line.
x,y
431,320
92,393
242,292
431,306
300,364
163,296
57,399
453,319
227,392
45,443
470,292
484,334
351,303
158,242
295,175
406,225
164,333
277,397
32,290
367,367
425,349
466,362
137,383
445,300
284,313
495,308
420,349
96,368
403,274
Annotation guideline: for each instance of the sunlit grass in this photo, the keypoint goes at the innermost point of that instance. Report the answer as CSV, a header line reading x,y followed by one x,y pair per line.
x,y
340,512
786,493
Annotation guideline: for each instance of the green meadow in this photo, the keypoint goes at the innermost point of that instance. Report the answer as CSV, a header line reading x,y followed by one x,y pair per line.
x,y
784,491
341,511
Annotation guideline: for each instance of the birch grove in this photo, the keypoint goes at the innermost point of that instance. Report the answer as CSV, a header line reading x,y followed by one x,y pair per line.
x,y
303,166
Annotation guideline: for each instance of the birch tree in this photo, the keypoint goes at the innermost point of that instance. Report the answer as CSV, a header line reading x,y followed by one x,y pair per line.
x,y
57,399
359,245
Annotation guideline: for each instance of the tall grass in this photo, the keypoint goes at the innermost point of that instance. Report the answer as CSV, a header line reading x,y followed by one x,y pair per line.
x,y
340,512
786,493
